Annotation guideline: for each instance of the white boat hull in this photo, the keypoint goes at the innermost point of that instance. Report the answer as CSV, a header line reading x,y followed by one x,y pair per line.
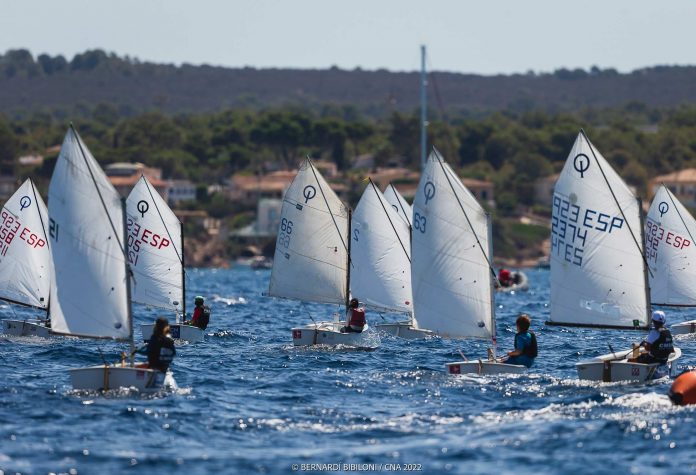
x,y
484,367
683,328
614,367
403,330
522,285
103,378
177,331
328,333
26,328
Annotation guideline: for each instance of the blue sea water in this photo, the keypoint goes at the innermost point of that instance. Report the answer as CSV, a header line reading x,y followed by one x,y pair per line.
x,y
249,402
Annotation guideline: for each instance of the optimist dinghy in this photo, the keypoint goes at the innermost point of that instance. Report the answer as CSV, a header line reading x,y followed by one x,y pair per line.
x,y
90,291
156,256
614,367
671,254
25,260
381,258
452,277
311,261
599,273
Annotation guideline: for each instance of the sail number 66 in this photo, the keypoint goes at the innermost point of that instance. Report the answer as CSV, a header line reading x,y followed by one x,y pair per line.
x,y
285,232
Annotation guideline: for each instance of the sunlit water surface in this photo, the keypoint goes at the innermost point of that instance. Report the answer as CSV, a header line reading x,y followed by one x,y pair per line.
x,y
251,403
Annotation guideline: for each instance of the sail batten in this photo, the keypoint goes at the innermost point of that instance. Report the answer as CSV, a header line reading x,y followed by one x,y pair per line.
x,y
380,253
597,263
310,261
89,295
25,260
154,249
451,277
670,250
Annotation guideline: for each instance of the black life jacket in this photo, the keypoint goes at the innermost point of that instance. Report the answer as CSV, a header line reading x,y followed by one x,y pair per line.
x,y
160,353
204,319
663,346
531,350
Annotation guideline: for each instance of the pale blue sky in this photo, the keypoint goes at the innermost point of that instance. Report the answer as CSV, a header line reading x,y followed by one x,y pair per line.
x,y
483,36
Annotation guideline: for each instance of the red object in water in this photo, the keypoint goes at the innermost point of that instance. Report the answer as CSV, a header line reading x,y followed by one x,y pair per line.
x,y
683,390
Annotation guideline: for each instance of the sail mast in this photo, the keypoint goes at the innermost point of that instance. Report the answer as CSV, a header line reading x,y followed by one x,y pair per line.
x,y
350,216
183,276
423,114
492,287
128,281
645,263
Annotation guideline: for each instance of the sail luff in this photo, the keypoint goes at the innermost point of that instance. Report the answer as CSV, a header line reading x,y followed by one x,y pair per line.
x,y
450,274
596,266
670,251
311,252
381,267
25,257
88,293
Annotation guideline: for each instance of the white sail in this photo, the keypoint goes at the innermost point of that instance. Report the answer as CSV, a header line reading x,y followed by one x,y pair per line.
x,y
670,250
311,259
398,203
25,259
380,253
450,270
597,266
154,249
89,295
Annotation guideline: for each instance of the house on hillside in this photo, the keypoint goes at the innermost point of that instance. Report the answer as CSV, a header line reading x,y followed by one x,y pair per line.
x,y
181,190
124,176
8,185
543,189
682,183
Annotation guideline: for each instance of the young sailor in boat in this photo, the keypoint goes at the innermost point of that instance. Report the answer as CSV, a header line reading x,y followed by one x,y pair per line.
x,y
160,349
505,278
201,314
525,343
658,343
355,318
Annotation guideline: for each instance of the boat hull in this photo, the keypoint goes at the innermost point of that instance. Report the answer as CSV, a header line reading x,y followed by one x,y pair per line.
x,y
26,328
615,367
103,378
403,330
177,331
484,367
328,333
522,285
683,328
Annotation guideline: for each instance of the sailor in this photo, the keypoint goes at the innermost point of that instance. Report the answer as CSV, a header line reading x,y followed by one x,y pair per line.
x,y
160,348
505,278
201,314
355,318
658,343
525,343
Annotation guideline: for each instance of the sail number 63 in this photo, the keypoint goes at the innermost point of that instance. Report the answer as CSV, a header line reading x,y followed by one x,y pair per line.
x,y
419,222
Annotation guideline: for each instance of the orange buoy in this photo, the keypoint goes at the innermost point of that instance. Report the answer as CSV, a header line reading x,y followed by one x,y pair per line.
x,y
683,390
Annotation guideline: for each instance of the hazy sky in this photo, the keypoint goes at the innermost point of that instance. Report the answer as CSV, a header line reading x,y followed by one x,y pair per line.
x,y
482,36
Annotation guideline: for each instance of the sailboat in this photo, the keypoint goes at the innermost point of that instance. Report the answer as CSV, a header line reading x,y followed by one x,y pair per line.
x,y
311,261
599,274
399,205
671,253
90,291
25,260
155,254
381,257
452,279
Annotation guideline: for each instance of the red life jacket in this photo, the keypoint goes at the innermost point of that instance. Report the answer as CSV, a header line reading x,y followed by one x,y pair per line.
x,y
357,318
